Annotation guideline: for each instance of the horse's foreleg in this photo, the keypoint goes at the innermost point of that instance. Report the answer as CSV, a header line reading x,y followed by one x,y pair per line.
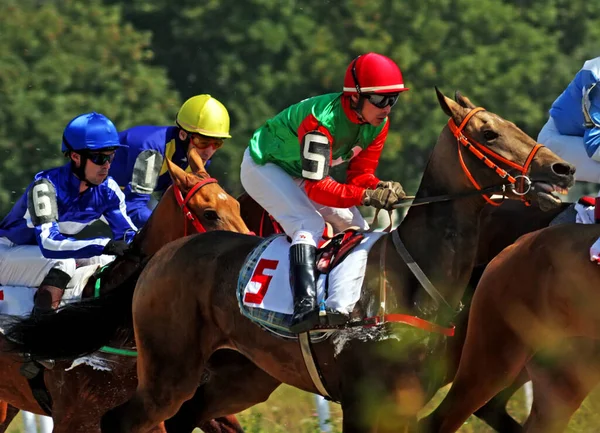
x,y
494,411
169,369
492,358
233,384
556,396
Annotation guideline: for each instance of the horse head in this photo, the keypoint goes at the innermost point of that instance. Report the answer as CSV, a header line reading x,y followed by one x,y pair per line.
x,y
478,153
194,203
198,201
492,152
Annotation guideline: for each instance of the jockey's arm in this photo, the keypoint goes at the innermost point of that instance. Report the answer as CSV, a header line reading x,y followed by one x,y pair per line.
x,y
591,109
137,206
42,207
315,148
120,223
361,169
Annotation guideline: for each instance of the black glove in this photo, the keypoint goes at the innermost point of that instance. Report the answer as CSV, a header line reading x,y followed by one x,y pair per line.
x,y
115,248
394,186
380,198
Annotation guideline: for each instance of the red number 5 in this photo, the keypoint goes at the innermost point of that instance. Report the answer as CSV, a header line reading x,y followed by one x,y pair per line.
x,y
262,280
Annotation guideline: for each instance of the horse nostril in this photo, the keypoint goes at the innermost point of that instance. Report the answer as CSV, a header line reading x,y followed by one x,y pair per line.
x,y
563,169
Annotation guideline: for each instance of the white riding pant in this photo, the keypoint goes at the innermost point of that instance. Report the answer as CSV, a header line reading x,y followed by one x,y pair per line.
x,y
24,265
284,197
30,426
571,149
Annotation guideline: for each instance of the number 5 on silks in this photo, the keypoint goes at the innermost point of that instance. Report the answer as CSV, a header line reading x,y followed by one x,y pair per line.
x,y
41,202
316,152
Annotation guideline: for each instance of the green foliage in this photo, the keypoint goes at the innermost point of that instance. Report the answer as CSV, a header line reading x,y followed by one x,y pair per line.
x,y
513,57
59,59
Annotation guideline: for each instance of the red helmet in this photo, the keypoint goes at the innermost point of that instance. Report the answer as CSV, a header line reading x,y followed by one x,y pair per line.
x,y
373,73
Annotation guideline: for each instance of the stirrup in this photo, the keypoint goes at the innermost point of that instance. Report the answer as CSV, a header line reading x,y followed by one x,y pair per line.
x,y
305,322
336,318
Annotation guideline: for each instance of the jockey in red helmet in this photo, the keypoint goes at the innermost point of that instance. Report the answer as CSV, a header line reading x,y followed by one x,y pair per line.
x,y
286,168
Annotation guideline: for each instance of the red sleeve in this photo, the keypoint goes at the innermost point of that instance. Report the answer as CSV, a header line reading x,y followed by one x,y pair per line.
x,y
361,170
328,192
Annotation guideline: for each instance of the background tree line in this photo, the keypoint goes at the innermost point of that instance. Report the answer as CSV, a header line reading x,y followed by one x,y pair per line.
x,y
136,61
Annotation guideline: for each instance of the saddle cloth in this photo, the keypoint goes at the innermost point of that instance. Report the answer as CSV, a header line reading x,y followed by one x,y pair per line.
x,y
18,301
585,208
264,292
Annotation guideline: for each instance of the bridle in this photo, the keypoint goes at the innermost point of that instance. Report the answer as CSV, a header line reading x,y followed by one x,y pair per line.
x,y
182,202
489,158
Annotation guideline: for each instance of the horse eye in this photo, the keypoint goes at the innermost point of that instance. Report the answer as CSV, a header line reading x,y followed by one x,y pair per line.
x,y
489,135
211,215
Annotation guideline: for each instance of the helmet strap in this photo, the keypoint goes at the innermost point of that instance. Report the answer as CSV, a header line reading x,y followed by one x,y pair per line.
x,y
187,139
79,172
358,106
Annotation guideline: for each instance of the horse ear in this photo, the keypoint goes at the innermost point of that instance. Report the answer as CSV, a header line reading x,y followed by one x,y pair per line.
x,y
463,100
451,108
447,104
178,175
195,161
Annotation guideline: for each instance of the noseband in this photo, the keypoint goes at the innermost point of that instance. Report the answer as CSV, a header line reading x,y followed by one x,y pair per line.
x,y
480,151
183,204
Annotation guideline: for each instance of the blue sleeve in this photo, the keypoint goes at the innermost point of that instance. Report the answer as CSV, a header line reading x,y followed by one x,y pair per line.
x,y
137,206
116,214
55,245
591,136
44,218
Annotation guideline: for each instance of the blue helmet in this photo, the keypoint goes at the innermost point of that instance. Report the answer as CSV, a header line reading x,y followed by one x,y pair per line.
x,y
90,131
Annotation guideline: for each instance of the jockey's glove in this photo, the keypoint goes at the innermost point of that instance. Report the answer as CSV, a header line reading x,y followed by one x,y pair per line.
x,y
394,186
115,248
380,198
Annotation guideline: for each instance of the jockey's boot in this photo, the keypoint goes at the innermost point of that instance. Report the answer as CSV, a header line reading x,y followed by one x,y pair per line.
x,y
302,280
49,294
47,298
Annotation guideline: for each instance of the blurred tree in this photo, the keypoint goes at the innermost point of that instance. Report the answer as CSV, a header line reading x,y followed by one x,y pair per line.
x,y
259,56
60,58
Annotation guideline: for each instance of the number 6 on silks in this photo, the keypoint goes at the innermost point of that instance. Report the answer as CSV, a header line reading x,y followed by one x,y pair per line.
x,y
316,152
41,202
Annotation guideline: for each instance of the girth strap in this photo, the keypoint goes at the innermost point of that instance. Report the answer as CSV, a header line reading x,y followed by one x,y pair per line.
x,y
311,366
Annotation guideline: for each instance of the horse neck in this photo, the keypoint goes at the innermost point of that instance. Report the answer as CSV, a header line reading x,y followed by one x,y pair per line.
x,y
442,237
166,224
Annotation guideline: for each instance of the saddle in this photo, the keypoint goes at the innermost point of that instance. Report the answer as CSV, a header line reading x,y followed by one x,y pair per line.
x,y
336,248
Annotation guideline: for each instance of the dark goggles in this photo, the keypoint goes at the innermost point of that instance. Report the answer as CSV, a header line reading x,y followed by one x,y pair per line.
x,y
100,158
202,142
382,101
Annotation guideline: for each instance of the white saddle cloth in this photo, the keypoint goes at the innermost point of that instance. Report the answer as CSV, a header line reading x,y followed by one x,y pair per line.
x,y
585,214
269,286
18,301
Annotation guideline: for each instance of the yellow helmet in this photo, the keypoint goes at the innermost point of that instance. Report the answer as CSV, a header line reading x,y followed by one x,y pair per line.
x,y
204,115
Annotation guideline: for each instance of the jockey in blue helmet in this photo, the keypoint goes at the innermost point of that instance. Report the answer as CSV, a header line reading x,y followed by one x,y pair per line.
x,y
37,247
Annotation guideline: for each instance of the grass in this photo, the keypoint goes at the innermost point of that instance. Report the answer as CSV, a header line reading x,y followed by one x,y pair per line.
x,y
289,410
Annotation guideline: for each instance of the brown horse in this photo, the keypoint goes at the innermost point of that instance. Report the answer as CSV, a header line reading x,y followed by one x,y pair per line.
x,y
535,306
442,237
80,396
500,226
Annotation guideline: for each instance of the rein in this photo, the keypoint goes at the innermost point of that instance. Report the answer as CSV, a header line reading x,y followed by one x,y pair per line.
x,y
182,202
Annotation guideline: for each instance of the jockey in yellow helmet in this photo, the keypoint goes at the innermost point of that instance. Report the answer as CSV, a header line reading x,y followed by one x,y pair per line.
x,y
140,169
